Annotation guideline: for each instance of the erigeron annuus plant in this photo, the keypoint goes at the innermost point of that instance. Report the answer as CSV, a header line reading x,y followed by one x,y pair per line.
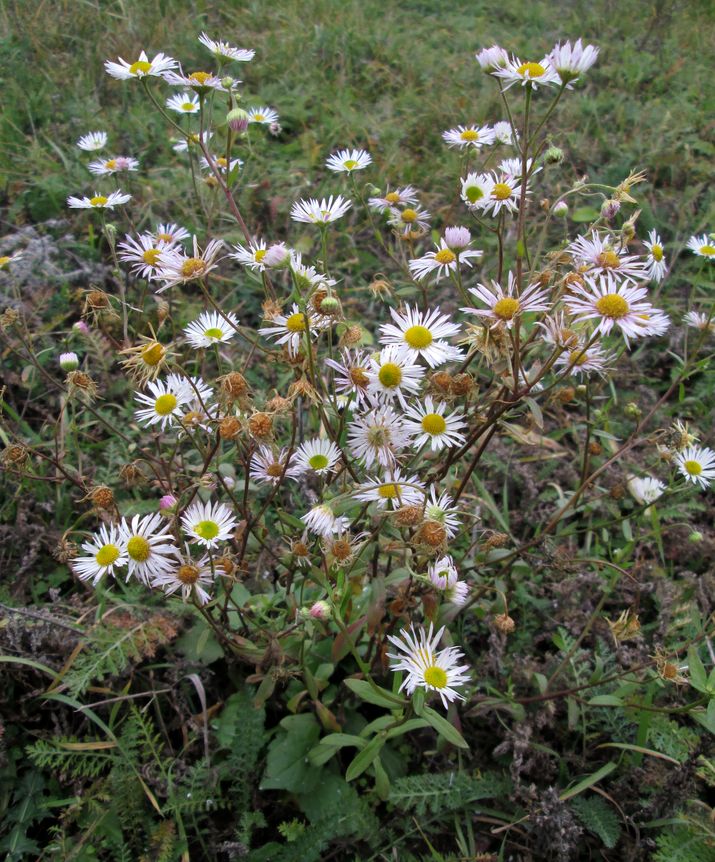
x,y
343,473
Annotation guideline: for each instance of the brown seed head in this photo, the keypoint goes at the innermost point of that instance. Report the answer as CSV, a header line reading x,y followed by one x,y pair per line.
x,y
351,336
131,474
595,448
234,385
504,623
260,425
409,516
431,533
496,540
15,455
229,428
102,497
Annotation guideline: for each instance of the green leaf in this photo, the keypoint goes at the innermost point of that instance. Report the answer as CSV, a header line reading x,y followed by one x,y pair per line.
x,y
444,728
588,781
605,700
364,758
407,726
288,767
698,676
374,694
598,817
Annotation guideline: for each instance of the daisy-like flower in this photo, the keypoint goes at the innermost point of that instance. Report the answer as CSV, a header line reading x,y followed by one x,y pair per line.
x,y
92,141
221,164
410,220
180,268
426,667
571,60
377,436
422,333
403,197
469,136
441,510
504,194
476,190
184,103
446,259
559,331
697,465
144,253
208,523
352,375
646,489
290,329
491,59
657,264
505,307
193,141
504,134
196,399
163,406
392,375
317,456
104,554
601,255
269,468
225,51
149,546
348,161
192,578
342,547
583,360
700,321
170,233
531,73
444,576
322,521
115,199
159,67
431,424
612,304
321,212
106,167
211,328
146,360
263,116
393,491
200,82
703,246
251,256
656,320
512,168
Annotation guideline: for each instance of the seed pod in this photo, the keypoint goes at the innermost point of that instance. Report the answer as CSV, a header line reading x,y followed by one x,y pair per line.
x,y
234,385
229,428
504,623
102,497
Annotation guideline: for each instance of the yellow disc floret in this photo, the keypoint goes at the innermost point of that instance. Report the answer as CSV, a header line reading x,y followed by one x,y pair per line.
x,y
506,307
206,529
141,66
193,267
469,135
390,375
612,305
436,677
693,468
531,70
501,191
213,332
152,354
445,256
165,404
388,492
296,322
318,462
98,200
188,574
139,549
609,259
433,423
409,215
151,256
418,337
106,555
200,77
657,252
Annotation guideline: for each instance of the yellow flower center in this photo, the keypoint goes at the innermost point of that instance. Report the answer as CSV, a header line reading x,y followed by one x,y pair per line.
x,y
392,197
206,529
388,492
165,404
188,574
436,677
433,423
418,337
142,66
259,118
106,555
409,215
110,164
213,332
609,259
151,256
445,256
4,260
501,191
221,162
657,252
259,254
139,549
193,267
296,322
693,468
318,462
474,193
188,106
390,375
469,135
612,305
578,357
533,70
274,470
708,250
506,307
98,201
200,77
152,354
164,237
350,164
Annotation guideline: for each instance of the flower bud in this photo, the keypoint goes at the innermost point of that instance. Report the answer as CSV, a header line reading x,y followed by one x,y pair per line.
x,y
275,129
330,306
237,120
227,82
277,255
81,327
632,410
554,156
695,537
561,209
110,231
610,208
69,361
167,502
320,611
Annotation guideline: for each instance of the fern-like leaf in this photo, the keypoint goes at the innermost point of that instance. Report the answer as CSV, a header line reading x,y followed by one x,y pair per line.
x,y
598,817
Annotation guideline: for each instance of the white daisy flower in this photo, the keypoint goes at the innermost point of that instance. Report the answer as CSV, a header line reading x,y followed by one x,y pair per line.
x,y
195,396
442,510
321,212
163,405
269,468
426,667
443,573
192,140
104,554
697,465
225,51
106,167
251,255
322,521
144,253
221,164
92,141
149,546
192,578
141,68
646,489
531,73
703,246
170,233
409,220
602,255
431,424
505,307
307,276
291,329
115,199
657,264
352,375
377,436
211,328
698,320
469,136
392,375
655,320
184,103
583,360
208,523
393,199
443,261
348,161
611,304
264,116
504,194
200,82
476,190
571,60
393,491
559,331
491,59
512,168
177,267
419,333
504,134
317,456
